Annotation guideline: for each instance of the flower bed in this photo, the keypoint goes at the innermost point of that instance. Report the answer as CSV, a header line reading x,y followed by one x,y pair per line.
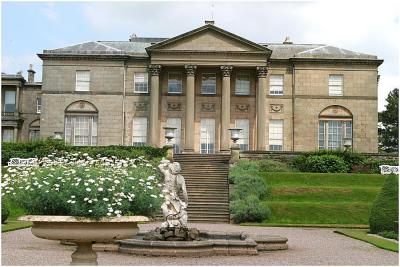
x,y
78,185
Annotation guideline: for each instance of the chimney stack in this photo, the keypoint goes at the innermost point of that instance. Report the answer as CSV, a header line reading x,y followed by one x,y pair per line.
x,y
209,22
287,40
31,74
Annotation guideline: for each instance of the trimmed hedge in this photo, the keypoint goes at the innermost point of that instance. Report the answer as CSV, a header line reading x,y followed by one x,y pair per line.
x,y
269,165
249,209
249,185
322,164
43,148
5,212
385,210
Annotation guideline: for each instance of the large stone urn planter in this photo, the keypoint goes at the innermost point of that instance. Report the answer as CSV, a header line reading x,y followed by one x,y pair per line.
x,y
84,232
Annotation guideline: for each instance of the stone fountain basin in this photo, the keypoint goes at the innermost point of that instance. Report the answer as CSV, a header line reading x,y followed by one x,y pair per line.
x,y
210,243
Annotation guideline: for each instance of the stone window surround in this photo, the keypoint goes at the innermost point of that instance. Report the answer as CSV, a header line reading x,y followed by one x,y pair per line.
x,y
340,86
215,83
145,82
38,105
181,82
79,81
282,127
274,92
236,83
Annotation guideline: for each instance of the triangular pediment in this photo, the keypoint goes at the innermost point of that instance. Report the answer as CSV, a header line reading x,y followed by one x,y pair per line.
x,y
206,39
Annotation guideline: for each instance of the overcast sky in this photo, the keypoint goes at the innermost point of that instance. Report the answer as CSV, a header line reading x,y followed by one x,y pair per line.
x,y
367,27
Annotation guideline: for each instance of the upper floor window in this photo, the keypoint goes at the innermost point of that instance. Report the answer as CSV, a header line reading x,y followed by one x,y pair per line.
x,y
141,82
276,85
275,134
209,83
335,85
242,84
175,83
82,80
139,131
9,101
38,105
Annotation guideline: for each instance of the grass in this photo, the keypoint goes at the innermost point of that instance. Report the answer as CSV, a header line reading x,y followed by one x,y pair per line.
x,y
320,198
12,223
376,241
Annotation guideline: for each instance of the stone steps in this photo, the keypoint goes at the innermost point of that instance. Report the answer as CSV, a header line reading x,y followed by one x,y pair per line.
x,y
207,184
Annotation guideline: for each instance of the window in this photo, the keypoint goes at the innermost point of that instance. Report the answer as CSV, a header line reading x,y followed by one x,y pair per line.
x,y
208,83
9,101
81,130
335,85
38,105
276,85
34,134
242,84
176,123
276,135
244,133
141,83
82,80
207,136
332,132
139,131
174,83
7,134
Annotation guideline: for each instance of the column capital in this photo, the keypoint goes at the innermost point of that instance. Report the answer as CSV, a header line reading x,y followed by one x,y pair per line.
x,y
155,70
226,71
190,70
262,71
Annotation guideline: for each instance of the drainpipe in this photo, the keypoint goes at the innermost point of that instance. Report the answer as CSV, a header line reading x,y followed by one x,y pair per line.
x,y
293,99
123,105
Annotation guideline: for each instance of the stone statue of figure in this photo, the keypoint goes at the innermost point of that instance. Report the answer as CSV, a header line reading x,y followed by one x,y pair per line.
x,y
173,208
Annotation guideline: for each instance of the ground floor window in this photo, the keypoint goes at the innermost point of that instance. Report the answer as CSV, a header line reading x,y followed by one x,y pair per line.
x,y
81,130
244,133
275,135
34,134
7,134
333,132
139,131
176,123
207,136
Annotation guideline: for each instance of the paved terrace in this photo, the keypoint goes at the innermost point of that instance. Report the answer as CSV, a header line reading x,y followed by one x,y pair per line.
x,y
307,246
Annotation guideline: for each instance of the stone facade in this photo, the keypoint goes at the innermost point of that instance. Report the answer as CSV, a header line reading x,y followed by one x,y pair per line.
x,y
306,72
24,118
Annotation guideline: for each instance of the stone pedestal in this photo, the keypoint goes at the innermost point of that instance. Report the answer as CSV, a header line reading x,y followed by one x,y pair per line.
x,y
235,154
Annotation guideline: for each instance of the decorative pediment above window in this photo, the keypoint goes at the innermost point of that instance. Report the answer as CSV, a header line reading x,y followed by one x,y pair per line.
x,y
275,108
208,107
140,106
242,107
174,106
208,38
81,106
335,111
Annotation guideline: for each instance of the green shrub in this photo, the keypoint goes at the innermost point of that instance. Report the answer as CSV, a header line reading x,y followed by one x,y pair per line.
x,y
4,213
375,163
249,209
241,169
324,164
389,234
385,210
269,165
42,148
249,185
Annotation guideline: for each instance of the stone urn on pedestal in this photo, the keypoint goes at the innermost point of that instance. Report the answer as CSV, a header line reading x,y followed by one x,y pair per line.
x,y
84,232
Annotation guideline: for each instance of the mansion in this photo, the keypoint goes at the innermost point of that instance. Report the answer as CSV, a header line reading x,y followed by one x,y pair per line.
x,y
284,96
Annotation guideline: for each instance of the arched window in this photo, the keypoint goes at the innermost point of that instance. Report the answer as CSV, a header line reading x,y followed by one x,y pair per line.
x,y
335,126
34,130
81,124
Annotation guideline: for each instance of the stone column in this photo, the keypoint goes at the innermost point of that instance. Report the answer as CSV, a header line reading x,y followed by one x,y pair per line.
x,y
226,107
17,100
15,134
262,72
154,104
189,108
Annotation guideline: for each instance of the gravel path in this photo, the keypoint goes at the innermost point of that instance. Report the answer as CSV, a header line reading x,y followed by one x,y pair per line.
x,y
307,246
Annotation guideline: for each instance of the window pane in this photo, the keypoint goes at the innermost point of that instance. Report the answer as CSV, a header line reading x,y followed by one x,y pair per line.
x,y
209,83
174,82
244,133
242,84
176,123
38,105
82,80
207,136
34,135
334,134
276,85
9,101
81,130
276,135
141,83
8,135
139,131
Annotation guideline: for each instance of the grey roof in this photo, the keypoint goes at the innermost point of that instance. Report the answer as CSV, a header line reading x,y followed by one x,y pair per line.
x,y
137,47
17,76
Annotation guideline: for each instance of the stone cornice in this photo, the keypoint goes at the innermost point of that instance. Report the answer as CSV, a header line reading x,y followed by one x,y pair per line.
x,y
87,56
376,62
210,52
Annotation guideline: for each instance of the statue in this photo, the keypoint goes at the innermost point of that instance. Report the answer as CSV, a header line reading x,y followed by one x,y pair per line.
x,y
173,208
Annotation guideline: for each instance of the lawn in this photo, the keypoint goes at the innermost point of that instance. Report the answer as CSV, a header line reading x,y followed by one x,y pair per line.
x,y
321,198
376,241
12,223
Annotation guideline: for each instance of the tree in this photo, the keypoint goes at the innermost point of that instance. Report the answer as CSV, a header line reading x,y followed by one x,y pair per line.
x,y
389,123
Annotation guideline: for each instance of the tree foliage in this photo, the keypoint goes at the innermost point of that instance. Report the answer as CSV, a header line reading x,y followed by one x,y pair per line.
x,y
389,123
